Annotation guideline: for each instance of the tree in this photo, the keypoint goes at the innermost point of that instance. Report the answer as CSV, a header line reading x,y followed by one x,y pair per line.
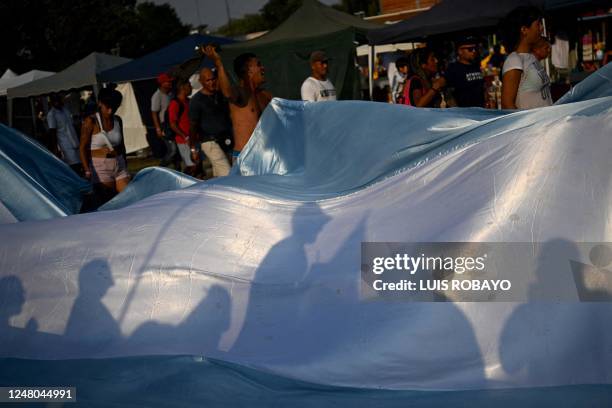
x,y
369,7
250,23
157,26
277,11
52,34
271,15
274,12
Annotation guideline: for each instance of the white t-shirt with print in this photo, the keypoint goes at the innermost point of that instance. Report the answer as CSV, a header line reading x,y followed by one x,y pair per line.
x,y
397,85
534,88
314,90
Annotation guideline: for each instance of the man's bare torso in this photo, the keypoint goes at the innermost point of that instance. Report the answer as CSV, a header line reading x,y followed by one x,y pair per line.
x,y
245,113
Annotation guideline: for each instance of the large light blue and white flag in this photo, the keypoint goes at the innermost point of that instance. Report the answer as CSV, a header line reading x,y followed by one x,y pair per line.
x,y
262,269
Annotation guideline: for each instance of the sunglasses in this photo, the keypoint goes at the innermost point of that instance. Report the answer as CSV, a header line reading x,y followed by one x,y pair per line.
x,y
470,49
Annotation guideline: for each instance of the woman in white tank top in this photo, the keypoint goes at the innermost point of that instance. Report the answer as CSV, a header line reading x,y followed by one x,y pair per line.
x,y
102,147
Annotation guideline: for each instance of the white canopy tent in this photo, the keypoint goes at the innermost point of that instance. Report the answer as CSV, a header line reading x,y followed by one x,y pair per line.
x,y
12,82
78,75
134,131
8,74
86,73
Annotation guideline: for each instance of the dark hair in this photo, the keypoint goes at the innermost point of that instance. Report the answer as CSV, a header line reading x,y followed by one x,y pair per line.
x,y
111,98
241,63
182,83
55,97
510,27
420,57
402,62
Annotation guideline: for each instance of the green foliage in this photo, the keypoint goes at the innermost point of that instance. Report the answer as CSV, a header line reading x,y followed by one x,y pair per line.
x,y
274,12
370,7
277,11
250,23
157,26
52,34
270,16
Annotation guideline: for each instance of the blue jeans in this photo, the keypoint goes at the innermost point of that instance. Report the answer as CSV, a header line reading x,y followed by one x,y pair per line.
x,y
170,152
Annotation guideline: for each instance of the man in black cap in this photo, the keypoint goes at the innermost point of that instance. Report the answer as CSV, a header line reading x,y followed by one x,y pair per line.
x,y
317,87
464,77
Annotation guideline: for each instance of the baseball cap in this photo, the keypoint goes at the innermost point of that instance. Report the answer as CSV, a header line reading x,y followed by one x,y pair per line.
x,y
163,77
467,40
318,56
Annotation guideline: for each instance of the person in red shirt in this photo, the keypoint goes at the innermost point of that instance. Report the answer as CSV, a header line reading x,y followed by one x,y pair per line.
x,y
178,115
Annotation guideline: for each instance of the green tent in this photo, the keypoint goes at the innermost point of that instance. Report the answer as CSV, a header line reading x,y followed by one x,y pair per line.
x,y
285,51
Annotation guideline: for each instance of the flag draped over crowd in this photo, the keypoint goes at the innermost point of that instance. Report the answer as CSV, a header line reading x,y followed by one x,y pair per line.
x,y
262,268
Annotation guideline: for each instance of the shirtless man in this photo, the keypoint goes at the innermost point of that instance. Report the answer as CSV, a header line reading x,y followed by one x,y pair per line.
x,y
247,100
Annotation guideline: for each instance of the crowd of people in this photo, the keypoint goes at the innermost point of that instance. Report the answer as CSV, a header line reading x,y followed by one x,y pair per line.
x,y
217,121
522,82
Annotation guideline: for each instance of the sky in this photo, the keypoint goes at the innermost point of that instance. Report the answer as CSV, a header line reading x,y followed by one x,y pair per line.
x,y
213,13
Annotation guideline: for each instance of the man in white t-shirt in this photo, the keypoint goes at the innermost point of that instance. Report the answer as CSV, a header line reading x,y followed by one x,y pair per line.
x,y
317,87
61,128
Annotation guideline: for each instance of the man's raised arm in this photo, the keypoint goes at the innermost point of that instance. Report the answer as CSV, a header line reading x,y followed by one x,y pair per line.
x,y
224,81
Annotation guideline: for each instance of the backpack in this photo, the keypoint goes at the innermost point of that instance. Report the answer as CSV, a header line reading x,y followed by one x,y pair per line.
x,y
168,132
